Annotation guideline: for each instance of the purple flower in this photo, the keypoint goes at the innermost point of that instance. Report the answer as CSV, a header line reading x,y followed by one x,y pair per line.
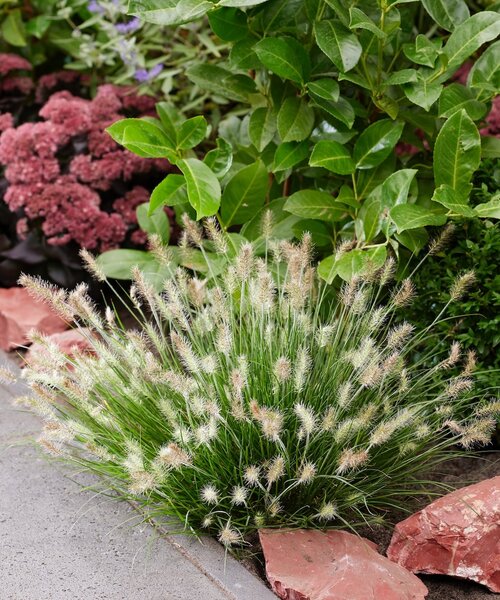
x,y
143,75
129,27
94,7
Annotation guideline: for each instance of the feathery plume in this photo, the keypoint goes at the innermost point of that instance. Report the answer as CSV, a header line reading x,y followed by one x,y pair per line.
x,y
209,494
441,241
228,536
92,266
215,234
306,473
351,459
404,294
461,285
251,475
302,366
239,495
275,470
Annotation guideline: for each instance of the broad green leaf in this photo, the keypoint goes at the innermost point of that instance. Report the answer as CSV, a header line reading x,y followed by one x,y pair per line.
x,y
208,263
313,204
332,156
285,57
422,93
289,154
413,239
355,262
320,233
423,52
244,194
388,105
171,120
230,24
169,192
242,55
489,210
13,28
222,82
145,139
447,13
262,127
38,26
282,223
457,152
169,12
340,10
341,110
453,200
346,196
339,44
155,223
118,264
413,216
241,3
485,73
490,147
403,76
295,120
220,159
359,20
396,187
455,97
203,187
470,35
328,89
191,133
376,143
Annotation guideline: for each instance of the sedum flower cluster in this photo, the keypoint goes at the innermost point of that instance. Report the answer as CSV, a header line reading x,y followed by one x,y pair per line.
x,y
260,397
59,168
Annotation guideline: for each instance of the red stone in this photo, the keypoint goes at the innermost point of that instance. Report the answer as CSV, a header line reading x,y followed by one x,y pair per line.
x,y
306,564
19,313
458,534
69,342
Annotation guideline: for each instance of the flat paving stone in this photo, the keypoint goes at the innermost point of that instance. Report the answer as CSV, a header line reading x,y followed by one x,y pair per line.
x,y
61,542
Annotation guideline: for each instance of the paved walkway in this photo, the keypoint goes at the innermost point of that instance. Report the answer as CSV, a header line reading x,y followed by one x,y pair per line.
x,y
59,542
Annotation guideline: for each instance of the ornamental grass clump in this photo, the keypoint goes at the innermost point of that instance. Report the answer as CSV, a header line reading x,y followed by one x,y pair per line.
x,y
257,397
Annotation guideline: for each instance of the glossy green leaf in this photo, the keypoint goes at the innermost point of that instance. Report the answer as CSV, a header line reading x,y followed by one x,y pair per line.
x,y
422,93
262,127
457,152
282,223
141,137
355,262
490,147
376,143
191,133
169,192
203,187
359,20
295,120
456,97
423,52
169,12
470,35
222,82
38,26
339,44
220,159
244,194
313,204
285,57
320,232
156,223
447,13
170,119
241,3
453,200
328,89
13,30
489,210
332,156
242,55
230,24
118,264
413,239
403,76
413,216
341,110
289,154
485,73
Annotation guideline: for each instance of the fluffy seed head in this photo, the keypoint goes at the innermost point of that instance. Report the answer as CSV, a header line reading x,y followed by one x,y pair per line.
x,y
251,475
461,285
173,456
275,470
209,494
306,417
351,459
327,512
92,266
442,240
404,295
306,473
239,495
228,536
398,335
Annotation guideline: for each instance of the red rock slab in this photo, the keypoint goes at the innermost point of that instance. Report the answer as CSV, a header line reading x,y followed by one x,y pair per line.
x,y
69,342
458,534
19,313
333,565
